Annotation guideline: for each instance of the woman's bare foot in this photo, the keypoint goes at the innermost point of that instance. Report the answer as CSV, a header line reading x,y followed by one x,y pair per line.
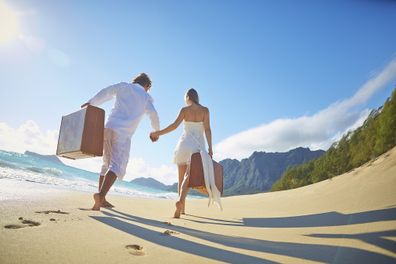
x,y
178,210
98,202
183,209
106,204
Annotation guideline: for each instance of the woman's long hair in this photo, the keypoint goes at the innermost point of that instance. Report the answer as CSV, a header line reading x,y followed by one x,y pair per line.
x,y
193,95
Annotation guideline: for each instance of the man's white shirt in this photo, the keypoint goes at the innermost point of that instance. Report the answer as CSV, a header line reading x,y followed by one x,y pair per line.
x,y
132,102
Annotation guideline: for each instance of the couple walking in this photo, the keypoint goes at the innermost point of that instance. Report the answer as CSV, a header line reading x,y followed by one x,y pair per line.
x,y
132,102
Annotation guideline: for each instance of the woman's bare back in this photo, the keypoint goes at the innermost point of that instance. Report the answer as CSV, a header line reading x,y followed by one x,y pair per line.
x,y
195,113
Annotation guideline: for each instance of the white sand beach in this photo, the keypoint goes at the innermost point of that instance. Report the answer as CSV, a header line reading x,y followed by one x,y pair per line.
x,y
348,219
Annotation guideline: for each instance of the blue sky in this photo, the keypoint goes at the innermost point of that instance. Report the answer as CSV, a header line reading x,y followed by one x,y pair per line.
x,y
262,68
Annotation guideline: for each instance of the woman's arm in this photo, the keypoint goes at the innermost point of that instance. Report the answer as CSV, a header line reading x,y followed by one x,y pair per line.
x,y
171,127
208,132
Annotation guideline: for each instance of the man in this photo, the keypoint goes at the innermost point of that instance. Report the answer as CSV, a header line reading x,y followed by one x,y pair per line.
x,y
132,102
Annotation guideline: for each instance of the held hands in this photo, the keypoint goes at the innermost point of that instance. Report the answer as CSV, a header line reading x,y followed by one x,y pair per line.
x,y
154,136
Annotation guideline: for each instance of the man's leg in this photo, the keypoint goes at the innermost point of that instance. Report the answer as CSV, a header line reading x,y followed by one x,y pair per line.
x,y
109,180
101,178
116,161
100,197
105,203
107,154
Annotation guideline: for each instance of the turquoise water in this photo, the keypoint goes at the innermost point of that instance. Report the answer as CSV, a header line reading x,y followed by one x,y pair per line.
x,y
43,170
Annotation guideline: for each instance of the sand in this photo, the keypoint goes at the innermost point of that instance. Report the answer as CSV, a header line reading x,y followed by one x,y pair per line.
x,y
348,219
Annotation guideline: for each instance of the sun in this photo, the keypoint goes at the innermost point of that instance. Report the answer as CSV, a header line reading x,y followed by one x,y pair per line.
x,y
9,26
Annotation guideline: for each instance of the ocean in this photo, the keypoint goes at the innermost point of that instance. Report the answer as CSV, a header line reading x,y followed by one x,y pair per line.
x,y
30,167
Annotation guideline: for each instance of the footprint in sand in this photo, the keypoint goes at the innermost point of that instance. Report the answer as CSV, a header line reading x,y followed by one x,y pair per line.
x,y
25,223
30,222
51,212
14,226
135,250
169,233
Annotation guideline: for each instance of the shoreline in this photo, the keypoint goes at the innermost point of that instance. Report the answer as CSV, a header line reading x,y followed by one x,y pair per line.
x,y
14,190
25,187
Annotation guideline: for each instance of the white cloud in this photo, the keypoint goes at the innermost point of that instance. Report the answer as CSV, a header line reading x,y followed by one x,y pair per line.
x,y
29,136
316,131
138,167
88,164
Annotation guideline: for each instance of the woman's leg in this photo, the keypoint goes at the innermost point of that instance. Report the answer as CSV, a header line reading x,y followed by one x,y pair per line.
x,y
182,196
182,171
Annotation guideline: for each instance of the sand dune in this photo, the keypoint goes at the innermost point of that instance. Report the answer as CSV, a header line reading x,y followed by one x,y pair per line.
x,y
348,219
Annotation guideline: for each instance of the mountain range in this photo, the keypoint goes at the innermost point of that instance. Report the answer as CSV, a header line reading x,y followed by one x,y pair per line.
x,y
252,175
261,170
51,158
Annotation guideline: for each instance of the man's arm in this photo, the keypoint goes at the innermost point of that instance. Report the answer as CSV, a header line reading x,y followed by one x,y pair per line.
x,y
153,115
104,95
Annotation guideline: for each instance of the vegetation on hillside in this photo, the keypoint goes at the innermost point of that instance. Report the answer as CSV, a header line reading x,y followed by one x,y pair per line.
x,y
376,136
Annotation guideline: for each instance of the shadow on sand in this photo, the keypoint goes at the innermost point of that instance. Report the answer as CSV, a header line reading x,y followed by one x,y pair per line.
x,y
213,221
375,238
322,253
325,219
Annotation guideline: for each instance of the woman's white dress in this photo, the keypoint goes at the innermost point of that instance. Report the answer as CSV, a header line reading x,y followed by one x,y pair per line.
x,y
192,141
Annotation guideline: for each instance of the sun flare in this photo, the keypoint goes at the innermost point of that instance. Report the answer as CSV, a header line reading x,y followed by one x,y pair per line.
x,y
9,26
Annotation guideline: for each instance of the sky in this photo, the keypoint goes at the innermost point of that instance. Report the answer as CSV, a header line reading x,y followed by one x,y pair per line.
x,y
275,75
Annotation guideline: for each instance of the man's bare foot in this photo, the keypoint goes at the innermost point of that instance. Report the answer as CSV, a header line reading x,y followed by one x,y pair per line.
x,y
98,202
178,210
106,204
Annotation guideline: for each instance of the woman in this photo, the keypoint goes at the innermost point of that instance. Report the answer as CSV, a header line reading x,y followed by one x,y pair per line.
x,y
196,124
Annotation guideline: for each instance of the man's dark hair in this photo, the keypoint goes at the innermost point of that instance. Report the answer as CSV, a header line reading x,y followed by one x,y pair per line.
x,y
142,79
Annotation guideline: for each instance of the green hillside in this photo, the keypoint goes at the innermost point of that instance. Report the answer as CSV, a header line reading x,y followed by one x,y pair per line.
x,y
376,136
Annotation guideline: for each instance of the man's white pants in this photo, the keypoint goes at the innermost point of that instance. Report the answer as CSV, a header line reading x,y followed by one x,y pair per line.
x,y
115,153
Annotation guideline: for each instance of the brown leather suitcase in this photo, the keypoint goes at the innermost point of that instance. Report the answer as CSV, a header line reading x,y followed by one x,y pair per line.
x,y
81,134
197,181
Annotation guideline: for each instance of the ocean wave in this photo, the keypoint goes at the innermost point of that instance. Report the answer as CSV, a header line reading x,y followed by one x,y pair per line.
x,y
137,193
6,164
25,168
11,154
50,171
78,184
